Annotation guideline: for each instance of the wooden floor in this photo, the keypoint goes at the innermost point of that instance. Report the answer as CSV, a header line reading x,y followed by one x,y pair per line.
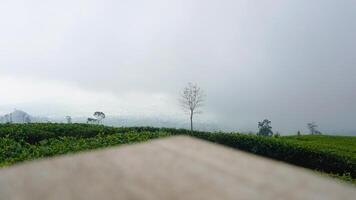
x,y
166,169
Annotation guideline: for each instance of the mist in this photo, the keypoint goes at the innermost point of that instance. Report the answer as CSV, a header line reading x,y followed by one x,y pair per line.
x,y
292,62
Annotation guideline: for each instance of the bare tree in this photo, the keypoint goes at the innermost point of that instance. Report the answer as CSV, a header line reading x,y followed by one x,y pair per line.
x,y
99,116
192,99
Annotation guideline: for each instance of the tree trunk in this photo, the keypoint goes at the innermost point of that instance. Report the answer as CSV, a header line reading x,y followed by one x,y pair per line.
x,y
191,121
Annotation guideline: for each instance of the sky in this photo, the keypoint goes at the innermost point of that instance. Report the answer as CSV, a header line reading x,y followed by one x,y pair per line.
x,y
290,61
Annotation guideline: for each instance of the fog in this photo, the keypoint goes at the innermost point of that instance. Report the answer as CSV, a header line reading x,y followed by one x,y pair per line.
x,y
292,62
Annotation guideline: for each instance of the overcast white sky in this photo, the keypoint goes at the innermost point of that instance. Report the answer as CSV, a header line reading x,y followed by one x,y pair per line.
x,y
291,61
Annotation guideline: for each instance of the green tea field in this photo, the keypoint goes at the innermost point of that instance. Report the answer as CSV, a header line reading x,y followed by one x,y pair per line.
x,y
331,155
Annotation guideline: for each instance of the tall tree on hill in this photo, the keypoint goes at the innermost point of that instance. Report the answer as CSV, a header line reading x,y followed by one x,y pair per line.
x,y
192,99
265,128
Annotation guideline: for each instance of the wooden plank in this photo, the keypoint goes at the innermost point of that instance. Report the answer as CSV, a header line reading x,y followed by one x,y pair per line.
x,y
171,168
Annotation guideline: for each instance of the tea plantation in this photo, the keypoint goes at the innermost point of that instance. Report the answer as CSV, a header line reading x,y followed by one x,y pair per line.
x,y
334,155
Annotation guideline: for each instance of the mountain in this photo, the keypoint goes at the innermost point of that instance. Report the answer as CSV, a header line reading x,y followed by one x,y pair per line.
x,y
20,117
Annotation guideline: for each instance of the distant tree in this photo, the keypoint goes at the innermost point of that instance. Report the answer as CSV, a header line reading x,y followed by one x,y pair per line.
x,y
265,128
69,119
99,116
27,119
8,118
298,133
313,128
92,120
191,100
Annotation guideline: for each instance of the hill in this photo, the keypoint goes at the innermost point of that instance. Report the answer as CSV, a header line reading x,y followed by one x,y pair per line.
x,y
21,117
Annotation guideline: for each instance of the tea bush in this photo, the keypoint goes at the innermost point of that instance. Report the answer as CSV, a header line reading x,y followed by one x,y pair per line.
x,y
331,154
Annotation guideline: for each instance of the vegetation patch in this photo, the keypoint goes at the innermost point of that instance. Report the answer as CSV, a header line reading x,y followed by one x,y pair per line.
x,y
335,155
315,154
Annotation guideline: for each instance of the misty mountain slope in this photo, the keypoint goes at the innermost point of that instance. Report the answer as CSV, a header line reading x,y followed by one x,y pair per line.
x,y
20,117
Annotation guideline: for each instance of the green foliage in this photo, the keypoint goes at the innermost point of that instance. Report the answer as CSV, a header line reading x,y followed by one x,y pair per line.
x,y
316,155
330,154
19,146
33,133
343,146
265,128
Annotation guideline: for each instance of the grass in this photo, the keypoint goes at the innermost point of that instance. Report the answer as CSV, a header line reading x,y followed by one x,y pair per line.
x,y
340,145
